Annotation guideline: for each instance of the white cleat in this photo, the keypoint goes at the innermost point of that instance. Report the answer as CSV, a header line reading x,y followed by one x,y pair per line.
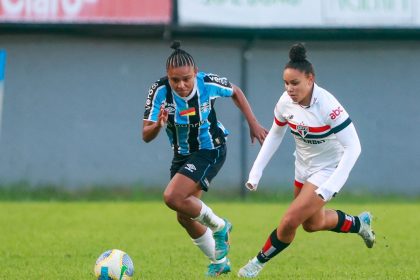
x,y
251,269
366,231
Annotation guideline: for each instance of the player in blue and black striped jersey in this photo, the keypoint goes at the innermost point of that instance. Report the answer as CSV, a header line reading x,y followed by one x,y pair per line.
x,y
183,103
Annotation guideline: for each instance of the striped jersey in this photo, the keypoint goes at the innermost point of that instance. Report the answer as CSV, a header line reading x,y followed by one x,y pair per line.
x,y
192,123
313,127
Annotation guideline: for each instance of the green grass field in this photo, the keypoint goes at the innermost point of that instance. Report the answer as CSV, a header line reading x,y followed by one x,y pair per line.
x,y
61,240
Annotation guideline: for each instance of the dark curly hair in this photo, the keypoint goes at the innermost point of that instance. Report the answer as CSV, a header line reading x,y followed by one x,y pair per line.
x,y
298,61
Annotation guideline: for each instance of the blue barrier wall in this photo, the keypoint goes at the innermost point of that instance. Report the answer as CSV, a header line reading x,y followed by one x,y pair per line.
x,y
73,107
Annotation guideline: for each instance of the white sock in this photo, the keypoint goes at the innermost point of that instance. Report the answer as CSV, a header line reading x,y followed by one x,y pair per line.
x,y
209,219
255,260
206,244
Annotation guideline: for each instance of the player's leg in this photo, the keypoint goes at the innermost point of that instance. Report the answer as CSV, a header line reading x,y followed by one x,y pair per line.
x,y
179,196
207,164
193,228
198,219
200,170
337,220
201,235
306,203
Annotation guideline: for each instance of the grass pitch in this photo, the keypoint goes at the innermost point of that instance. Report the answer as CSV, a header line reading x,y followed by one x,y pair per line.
x,y
61,240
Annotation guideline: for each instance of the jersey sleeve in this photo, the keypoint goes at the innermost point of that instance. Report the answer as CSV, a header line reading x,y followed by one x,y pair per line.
x,y
217,86
271,143
155,98
349,139
278,112
335,114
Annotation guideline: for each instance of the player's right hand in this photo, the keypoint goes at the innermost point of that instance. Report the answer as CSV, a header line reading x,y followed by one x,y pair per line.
x,y
162,117
250,186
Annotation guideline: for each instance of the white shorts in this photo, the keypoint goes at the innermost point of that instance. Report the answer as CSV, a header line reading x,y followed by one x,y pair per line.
x,y
318,178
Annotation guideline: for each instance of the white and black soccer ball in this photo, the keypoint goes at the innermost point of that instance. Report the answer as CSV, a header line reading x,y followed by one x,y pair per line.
x,y
114,265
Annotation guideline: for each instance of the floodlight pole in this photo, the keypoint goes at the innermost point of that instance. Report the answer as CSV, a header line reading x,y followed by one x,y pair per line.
x,y
244,138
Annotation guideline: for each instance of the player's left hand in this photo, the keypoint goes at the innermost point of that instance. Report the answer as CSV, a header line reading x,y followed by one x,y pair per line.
x,y
259,132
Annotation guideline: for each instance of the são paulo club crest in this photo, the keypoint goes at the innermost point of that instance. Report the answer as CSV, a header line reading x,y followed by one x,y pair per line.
x,y
302,130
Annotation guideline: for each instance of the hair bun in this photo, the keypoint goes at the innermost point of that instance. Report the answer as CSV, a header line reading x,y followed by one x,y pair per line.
x,y
175,45
297,53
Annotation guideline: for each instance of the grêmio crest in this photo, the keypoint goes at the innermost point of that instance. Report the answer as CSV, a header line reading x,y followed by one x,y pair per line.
x,y
302,130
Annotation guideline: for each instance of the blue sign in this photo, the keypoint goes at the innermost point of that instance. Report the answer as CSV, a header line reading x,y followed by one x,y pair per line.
x,y
2,64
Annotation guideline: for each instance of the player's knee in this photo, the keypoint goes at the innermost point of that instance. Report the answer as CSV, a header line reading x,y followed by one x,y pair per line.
x,y
170,199
310,227
290,223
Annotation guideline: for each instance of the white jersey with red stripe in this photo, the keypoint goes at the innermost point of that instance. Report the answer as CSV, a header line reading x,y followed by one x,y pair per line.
x,y
314,128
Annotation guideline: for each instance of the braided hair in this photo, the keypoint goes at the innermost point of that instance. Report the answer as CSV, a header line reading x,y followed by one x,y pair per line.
x,y
179,57
298,61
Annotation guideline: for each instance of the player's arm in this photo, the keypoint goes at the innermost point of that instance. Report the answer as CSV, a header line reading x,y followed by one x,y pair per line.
x,y
350,140
151,129
256,130
272,142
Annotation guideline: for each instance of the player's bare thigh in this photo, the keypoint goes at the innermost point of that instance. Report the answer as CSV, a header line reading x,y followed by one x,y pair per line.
x,y
180,195
321,220
306,205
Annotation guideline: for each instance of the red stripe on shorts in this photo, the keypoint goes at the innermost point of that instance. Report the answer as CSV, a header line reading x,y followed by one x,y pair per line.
x,y
298,184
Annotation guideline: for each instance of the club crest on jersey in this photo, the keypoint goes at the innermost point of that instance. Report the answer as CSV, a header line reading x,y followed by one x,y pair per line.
x,y
205,107
170,107
302,130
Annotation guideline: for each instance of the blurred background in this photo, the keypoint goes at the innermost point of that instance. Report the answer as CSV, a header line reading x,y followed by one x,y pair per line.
x,y
75,76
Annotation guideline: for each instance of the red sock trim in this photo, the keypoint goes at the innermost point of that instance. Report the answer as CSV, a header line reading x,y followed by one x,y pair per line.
x,y
346,225
267,245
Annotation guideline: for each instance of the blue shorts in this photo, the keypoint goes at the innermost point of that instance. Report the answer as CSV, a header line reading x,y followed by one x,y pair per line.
x,y
201,166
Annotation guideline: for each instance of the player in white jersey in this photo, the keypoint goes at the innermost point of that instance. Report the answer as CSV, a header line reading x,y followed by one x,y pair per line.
x,y
327,147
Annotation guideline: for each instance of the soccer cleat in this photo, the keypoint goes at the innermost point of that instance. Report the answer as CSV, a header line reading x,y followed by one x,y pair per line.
x,y
251,269
365,230
221,239
215,269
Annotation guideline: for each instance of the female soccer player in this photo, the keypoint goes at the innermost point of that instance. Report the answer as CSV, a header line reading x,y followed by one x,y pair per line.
x,y
183,102
327,147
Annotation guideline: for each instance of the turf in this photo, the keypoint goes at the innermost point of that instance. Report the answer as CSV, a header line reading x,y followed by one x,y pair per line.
x,y
61,240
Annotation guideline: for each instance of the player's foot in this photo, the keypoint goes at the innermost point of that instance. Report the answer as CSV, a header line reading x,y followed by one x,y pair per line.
x,y
221,239
251,269
215,269
366,231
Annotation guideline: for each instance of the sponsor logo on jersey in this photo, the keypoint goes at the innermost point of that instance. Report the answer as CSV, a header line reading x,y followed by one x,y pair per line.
x,y
198,124
205,107
302,130
152,90
313,141
147,106
190,167
288,116
150,96
169,107
336,113
219,80
187,112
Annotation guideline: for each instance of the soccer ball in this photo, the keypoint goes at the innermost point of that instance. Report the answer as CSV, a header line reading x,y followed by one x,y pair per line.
x,y
114,265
